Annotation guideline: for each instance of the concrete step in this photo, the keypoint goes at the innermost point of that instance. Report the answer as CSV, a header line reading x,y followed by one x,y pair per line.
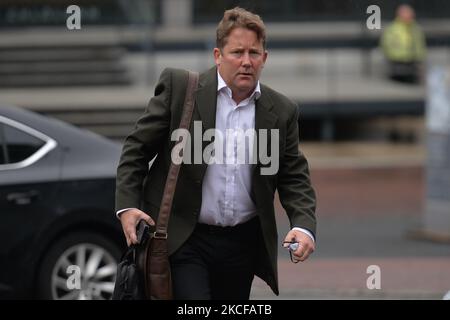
x,y
38,54
114,124
98,117
53,67
65,79
112,131
56,66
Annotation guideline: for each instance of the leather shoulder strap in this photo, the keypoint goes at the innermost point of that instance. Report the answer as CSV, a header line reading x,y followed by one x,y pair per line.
x,y
172,177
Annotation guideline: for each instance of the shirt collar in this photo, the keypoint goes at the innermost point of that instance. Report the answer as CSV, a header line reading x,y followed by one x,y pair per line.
x,y
222,86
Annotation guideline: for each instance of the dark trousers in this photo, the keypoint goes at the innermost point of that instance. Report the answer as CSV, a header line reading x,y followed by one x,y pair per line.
x,y
216,263
406,72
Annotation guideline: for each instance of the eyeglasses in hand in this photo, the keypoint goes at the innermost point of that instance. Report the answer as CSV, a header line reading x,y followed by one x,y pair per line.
x,y
293,246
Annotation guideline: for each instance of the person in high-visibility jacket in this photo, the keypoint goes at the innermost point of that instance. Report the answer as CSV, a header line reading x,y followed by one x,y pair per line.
x,y
403,44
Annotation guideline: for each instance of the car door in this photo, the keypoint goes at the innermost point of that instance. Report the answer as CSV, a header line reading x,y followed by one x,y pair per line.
x,y
29,172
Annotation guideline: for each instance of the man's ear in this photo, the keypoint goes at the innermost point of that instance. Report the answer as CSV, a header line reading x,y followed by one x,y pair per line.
x,y
266,53
217,56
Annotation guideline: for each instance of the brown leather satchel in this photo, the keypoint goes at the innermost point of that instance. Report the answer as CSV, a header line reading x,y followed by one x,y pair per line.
x,y
158,281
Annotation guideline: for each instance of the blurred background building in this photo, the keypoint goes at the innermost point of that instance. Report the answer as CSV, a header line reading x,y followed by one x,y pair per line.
x,y
365,135
321,54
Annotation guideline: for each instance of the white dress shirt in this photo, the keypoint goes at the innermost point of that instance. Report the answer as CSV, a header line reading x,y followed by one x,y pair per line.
x,y
226,186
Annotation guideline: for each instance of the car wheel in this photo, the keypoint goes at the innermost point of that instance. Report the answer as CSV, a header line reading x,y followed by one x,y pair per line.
x,y
79,266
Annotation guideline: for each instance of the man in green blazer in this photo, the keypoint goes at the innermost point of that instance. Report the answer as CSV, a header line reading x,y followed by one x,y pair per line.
x,y
222,229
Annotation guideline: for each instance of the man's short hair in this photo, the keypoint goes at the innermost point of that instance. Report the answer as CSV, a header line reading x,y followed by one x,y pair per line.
x,y
239,18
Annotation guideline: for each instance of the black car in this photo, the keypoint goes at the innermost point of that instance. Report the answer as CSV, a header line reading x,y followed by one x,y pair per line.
x,y
59,236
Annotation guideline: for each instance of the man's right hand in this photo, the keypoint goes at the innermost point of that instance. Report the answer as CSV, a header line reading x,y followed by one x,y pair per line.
x,y
129,220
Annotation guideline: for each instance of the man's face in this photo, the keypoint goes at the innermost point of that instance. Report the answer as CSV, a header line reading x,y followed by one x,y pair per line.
x,y
406,14
240,61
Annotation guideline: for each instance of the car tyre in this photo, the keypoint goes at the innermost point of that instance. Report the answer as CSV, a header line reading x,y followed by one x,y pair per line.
x,y
79,266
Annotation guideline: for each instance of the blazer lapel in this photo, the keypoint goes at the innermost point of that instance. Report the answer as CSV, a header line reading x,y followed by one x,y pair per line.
x,y
265,118
204,111
206,99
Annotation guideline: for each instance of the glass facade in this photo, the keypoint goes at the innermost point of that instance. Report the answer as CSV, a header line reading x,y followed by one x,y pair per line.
x,y
115,12
17,13
316,10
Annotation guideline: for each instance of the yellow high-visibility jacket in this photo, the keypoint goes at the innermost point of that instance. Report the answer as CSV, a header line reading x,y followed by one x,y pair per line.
x,y
402,42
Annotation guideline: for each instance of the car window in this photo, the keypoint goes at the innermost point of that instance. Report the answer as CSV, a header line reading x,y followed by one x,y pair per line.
x,y
19,145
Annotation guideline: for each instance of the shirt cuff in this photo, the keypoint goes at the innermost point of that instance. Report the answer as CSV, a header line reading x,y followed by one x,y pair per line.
x,y
305,231
120,211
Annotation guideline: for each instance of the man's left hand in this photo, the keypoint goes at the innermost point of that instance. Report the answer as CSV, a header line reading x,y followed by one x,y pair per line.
x,y
305,244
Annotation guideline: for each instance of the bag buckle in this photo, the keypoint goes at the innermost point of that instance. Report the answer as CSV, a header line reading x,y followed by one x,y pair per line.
x,y
160,235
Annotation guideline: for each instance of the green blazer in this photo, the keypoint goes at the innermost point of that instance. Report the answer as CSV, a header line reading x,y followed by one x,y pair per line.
x,y
137,186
